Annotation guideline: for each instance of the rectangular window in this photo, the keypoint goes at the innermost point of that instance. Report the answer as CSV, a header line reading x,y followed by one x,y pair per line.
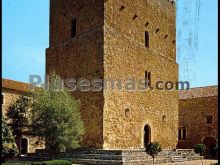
x,y
147,79
209,119
182,133
147,39
73,28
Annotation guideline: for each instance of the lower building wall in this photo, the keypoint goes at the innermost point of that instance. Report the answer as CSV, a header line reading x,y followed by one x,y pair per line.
x,y
126,61
128,132
29,144
193,116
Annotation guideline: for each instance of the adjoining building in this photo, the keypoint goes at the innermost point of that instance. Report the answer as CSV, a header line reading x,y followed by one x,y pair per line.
x,y
198,118
120,40
11,91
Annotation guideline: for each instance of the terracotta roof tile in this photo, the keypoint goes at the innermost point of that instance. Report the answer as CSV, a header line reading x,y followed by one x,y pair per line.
x,y
16,85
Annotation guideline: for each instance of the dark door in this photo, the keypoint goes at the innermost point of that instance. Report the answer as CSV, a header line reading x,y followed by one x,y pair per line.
x,y
24,146
147,135
210,144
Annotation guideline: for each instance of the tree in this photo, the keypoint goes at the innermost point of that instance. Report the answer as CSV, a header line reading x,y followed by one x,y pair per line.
x,y
17,114
9,147
56,118
153,148
200,149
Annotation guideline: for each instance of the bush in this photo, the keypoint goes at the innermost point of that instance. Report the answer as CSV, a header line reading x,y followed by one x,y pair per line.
x,y
56,117
200,149
54,162
153,148
51,162
16,114
22,163
9,147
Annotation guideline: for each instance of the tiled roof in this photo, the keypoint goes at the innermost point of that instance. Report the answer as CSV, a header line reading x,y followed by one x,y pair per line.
x,y
16,85
199,92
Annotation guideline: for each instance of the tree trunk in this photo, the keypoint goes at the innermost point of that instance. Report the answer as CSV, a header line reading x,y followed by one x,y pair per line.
x,y
201,161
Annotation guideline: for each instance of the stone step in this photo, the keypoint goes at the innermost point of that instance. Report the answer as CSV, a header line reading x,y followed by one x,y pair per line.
x,y
97,156
33,158
97,162
116,157
109,152
113,162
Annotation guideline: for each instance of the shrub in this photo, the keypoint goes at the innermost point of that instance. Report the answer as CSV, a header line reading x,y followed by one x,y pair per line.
x,y
21,163
16,114
153,148
9,147
51,162
200,149
54,162
56,118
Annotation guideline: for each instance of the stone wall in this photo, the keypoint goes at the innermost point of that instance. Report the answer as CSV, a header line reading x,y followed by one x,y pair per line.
x,y
193,113
10,96
79,57
109,43
126,57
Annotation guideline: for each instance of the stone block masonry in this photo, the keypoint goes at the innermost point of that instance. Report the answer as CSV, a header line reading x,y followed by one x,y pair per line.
x,y
113,39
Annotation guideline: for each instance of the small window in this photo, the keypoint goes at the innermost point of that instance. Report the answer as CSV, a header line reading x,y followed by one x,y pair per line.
x,y
182,133
73,29
146,39
146,24
147,79
127,113
135,16
209,119
165,36
164,118
122,8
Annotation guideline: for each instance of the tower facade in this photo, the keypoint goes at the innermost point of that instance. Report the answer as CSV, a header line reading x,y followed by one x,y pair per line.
x,y
127,41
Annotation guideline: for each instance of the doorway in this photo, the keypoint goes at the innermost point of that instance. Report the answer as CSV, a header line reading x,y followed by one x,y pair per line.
x,y
210,144
24,146
147,134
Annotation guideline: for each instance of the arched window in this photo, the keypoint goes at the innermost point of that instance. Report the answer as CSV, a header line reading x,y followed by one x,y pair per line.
x,y
146,39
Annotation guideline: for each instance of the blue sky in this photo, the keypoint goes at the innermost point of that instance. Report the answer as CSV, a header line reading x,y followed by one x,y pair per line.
x,y
26,36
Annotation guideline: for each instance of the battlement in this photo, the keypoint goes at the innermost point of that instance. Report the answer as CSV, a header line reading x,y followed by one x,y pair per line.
x,y
168,7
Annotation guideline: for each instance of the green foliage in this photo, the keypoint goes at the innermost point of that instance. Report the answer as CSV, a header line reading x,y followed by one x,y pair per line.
x,y
153,148
200,149
9,147
22,163
17,114
216,148
56,117
51,162
54,162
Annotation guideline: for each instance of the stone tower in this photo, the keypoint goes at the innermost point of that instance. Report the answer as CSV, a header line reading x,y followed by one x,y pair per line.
x,y
112,39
